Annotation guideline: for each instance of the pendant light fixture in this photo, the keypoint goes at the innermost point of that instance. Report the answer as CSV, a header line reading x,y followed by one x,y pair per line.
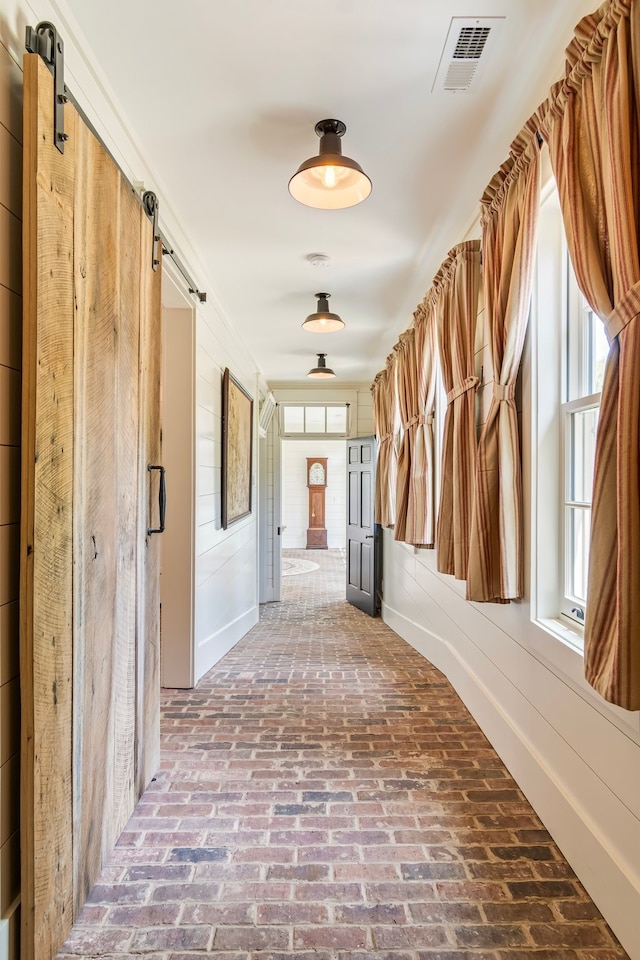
x,y
323,321
322,371
330,181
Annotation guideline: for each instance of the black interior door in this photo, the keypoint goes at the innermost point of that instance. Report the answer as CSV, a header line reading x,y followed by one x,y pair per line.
x,y
363,560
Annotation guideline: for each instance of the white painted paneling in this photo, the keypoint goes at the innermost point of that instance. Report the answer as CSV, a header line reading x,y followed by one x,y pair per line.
x,y
208,511
226,602
295,493
270,579
365,414
579,770
575,757
206,480
226,560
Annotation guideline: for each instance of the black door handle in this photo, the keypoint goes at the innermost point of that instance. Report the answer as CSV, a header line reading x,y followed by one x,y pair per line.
x,y
162,499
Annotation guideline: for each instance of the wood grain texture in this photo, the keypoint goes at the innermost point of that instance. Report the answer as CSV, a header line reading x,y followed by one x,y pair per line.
x,y
90,574
106,361
46,525
149,447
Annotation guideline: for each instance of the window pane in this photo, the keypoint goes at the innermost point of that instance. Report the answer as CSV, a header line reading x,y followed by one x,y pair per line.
x,y
598,352
578,531
314,419
583,449
294,419
336,419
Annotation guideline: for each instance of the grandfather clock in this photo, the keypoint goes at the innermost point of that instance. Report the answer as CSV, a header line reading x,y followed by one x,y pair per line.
x,y
317,484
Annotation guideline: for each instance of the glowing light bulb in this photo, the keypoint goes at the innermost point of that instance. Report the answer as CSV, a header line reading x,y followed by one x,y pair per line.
x,y
329,176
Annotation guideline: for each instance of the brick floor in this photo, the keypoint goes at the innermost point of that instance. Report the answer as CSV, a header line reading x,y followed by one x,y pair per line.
x,y
325,794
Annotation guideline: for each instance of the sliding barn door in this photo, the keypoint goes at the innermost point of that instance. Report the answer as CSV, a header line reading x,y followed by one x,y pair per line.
x,y
89,577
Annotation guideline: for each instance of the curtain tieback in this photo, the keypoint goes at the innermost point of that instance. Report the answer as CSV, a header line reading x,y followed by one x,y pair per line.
x,y
419,420
504,391
626,311
469,383
386,437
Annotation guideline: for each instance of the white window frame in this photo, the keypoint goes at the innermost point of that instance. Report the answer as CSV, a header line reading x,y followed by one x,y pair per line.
x,y
548,392
561,352
578,398
314,434
571,606
550,637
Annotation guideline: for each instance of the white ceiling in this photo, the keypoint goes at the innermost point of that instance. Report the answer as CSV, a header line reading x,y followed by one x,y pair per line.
x,y
222,97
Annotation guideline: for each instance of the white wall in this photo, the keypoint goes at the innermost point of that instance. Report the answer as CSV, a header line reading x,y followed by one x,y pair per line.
x,y
575,757
295,493
364,420
357,395
226,604
270,539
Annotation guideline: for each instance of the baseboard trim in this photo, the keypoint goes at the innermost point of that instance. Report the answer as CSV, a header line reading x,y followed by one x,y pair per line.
x,y
614,891
216,645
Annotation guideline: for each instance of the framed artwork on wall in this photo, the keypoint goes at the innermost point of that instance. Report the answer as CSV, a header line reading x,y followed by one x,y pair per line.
x,y
237,440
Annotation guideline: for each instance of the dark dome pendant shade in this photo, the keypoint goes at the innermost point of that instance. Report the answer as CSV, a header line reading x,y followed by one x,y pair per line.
x,y
330,181
323,321
322,371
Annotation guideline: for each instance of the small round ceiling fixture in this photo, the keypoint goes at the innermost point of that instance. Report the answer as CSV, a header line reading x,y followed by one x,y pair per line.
x,y
330,181
321,371
323,321
319,260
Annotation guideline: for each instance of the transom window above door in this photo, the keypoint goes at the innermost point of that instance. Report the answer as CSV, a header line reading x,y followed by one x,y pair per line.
x,y
314,419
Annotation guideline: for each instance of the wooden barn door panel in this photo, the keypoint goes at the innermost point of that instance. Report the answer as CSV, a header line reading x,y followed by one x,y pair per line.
x,y
149,452
105,497
46,609
90,594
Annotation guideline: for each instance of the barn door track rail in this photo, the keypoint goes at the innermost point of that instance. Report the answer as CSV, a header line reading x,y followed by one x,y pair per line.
x,y
45,40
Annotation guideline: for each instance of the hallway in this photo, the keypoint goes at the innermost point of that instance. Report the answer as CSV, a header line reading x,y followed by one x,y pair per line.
x,y
325,794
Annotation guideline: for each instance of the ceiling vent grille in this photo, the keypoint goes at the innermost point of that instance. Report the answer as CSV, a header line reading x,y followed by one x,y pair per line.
x,y
471,41
465,52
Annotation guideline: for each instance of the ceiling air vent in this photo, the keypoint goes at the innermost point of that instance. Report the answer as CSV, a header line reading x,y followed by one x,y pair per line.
x,y
466,49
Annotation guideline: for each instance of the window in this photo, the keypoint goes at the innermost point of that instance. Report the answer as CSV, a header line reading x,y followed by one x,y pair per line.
x,y
315,419
586,354
568,355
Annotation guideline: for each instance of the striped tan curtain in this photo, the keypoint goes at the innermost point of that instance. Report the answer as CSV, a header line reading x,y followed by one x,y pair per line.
x,y
384,408
509,227
591,125
458,285
407,387
421,514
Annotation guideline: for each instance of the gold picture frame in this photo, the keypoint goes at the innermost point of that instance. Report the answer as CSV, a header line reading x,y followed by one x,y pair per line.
x,y
237,450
